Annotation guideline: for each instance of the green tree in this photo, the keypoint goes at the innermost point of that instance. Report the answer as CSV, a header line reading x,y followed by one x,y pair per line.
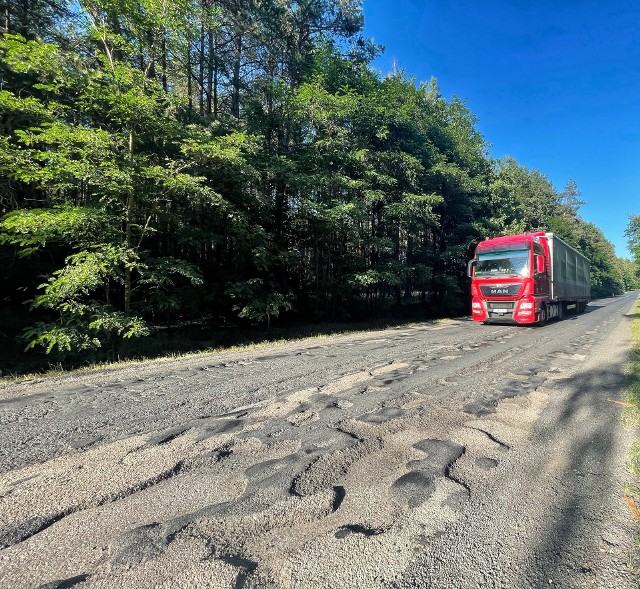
x,y
522,199
632,233
606,274
45,19
101,190
630,273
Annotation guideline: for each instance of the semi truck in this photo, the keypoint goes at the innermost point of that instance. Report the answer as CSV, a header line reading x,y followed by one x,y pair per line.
x,y
527,279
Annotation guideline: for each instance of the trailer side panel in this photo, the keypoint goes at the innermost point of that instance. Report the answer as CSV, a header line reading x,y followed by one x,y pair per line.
x,y
569,272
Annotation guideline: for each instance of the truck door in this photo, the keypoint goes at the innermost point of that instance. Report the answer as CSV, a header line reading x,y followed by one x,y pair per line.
x,y
540,279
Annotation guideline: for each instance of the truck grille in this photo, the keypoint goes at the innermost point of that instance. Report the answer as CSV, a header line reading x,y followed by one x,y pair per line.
x,y
499,309
500,290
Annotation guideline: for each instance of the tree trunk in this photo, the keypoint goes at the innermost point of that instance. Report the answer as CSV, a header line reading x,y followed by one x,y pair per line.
x,y
201,67
129,233
210,69
128,230
189,83
164,65
235,99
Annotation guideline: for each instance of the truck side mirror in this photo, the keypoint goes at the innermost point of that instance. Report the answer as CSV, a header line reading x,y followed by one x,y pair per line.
x,y
470,266
540,264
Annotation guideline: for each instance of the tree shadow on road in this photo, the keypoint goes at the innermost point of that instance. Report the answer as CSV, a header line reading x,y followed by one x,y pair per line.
x,y
587,464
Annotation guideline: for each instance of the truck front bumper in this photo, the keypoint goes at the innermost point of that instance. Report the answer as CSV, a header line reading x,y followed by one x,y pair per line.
x,y
522,311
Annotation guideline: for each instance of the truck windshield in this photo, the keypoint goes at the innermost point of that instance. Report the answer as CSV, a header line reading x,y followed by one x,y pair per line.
x,y
511,263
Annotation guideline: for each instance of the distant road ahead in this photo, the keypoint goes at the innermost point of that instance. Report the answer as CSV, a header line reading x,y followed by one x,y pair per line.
x,y
443,455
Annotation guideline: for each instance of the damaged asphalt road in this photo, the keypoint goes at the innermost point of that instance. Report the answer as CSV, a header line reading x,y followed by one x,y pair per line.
x,y
440,455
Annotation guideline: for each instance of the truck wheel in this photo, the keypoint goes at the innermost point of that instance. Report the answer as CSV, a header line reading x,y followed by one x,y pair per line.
x,y
560,310
543,315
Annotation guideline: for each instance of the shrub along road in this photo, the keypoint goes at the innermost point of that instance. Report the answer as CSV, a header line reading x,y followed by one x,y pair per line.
x,y
446,455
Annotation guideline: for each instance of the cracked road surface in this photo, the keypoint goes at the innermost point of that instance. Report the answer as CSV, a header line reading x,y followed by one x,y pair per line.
x,y
441,455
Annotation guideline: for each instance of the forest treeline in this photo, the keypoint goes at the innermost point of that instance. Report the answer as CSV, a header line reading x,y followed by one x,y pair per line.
x,y
225,161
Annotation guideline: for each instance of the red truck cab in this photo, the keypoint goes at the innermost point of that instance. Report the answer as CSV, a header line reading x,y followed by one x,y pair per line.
x,y
508,278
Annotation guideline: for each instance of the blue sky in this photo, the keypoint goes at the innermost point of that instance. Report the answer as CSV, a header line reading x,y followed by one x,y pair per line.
x,y
555,84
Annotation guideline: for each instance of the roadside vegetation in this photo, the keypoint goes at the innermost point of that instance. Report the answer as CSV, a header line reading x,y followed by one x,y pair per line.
x,y
634,383
173,171
632,489
633,235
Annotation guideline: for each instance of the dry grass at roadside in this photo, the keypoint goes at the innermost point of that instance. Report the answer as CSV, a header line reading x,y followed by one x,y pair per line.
x,y
633,393
632,417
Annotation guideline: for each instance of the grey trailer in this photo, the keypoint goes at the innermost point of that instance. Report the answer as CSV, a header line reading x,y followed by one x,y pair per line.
x,y
569,272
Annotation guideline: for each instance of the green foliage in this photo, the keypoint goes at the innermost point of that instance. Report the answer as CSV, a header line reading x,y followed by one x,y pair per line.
x,y
83,323
82,332
606,273
70,336
83,273
632,233
630,274
524,199
73,335
257,301
32,229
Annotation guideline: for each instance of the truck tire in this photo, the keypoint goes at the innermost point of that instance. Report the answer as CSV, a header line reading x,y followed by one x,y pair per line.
x,y
543,315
